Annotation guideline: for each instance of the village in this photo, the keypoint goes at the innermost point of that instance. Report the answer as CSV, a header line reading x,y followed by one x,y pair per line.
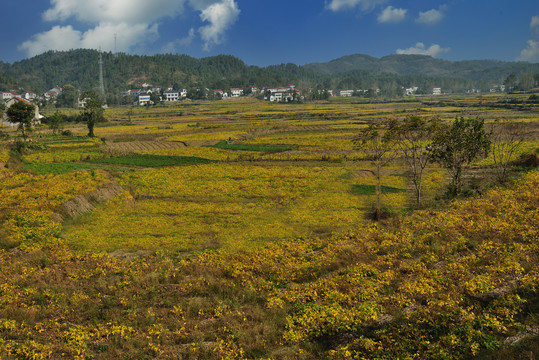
x,y
147,95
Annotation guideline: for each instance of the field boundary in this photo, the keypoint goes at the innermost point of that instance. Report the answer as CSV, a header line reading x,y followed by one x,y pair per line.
x,y
86,203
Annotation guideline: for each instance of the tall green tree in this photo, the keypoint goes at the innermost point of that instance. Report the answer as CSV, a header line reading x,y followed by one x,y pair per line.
x,y
510,82
527,81
22,113
457,145
2,109
155,98
92,113
68,98
56,122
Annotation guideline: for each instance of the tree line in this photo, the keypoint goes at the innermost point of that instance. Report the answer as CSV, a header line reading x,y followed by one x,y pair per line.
x,y
454,145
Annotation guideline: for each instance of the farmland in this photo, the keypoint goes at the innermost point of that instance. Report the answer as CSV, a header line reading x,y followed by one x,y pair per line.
x,y
241,229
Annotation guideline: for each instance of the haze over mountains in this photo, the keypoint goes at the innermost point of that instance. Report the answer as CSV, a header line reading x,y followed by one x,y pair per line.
x,y
423,65
80,69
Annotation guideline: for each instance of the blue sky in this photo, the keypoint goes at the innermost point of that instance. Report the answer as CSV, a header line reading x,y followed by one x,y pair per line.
x,y
265,32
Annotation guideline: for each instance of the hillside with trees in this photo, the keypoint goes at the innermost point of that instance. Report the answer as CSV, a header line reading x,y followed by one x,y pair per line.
x,y
80,69
477,70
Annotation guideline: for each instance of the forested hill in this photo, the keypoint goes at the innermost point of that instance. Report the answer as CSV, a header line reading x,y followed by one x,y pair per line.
x,y
478,70
80,69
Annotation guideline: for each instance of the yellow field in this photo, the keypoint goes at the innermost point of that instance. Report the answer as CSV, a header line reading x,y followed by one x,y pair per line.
x,y
241,230
227,205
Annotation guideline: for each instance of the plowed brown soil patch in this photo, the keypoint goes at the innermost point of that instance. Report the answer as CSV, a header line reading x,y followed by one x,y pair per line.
x,y
133,146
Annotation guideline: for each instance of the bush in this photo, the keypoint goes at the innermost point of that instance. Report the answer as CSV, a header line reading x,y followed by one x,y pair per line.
x,y
19,146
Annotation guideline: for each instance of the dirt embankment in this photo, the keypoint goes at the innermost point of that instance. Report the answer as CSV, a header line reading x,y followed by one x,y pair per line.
x,y
85,203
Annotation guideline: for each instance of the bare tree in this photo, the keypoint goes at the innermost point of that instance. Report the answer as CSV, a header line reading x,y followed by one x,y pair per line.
x,y
507,139
412,136
375,142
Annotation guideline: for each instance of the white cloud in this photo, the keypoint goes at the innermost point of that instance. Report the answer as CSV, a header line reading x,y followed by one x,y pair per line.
x,y
134,21
186,41
64,38
392,15
202,4
128,35
127,11
420,49
431,17
534,25
366,5
220,17
530,53
58,38
172,47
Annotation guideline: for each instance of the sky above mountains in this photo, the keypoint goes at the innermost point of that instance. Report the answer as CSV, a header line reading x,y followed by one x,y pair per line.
x,y
265,32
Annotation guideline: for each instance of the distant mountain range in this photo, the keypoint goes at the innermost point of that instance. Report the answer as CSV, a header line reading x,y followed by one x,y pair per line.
x,y
479,70
390,73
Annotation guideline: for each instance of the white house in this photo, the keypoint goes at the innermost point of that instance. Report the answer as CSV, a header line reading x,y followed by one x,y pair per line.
x,y
171,96
283,95
436,90
497,88
220,92
144,100
345,93
276,96
254,89
37,116
236,92
28,95
6,95
55,91
411,90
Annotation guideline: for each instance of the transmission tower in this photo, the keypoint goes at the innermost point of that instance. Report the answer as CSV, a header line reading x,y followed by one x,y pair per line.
x,y
101,83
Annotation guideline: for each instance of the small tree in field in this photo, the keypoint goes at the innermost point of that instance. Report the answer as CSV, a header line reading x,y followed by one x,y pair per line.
x,y
457,145
56,122
375,142
412,136
21,113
